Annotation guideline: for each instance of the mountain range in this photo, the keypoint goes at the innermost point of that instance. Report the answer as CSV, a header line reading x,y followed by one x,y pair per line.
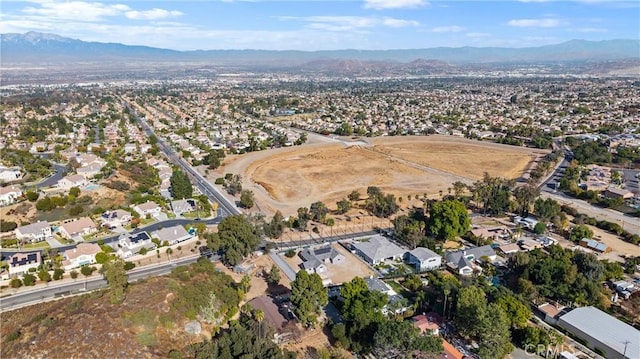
x,y
41,48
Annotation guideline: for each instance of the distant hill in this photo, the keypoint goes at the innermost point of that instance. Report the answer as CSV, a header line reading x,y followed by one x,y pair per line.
x,y
40,48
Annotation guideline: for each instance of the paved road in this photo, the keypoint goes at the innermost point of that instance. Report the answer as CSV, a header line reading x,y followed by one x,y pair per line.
x,y
61,170
225,207
111,239
53,290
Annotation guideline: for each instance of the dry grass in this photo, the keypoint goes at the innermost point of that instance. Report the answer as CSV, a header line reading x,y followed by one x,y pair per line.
x,y
288,178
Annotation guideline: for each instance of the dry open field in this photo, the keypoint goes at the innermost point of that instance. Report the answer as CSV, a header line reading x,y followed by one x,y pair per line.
x,y
288,178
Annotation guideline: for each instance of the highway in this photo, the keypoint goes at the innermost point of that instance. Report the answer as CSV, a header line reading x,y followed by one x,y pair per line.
x,y
225,207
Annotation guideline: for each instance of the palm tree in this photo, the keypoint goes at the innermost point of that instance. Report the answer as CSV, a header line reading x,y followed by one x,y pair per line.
x,y
259,315
446,292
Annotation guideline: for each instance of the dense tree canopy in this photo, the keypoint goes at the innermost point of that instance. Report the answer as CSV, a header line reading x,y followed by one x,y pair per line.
x,y
236,238
180,185
448,219
309,296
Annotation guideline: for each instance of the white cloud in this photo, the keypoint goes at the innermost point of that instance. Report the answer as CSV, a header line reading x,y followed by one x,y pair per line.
x,y
535,22
393,4
350,23
153,14
590,29
76,10
453,28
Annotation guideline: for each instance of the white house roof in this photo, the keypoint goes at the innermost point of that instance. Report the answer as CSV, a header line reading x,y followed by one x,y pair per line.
x,y
605,329
423,253
171,233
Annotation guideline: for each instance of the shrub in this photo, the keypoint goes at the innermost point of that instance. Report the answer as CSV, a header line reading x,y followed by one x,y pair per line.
x,y
29,279
102,257
58,274
13,336
290,253
7,226
76,210
44,275
32,196
129,265
74,274
219,180
16,283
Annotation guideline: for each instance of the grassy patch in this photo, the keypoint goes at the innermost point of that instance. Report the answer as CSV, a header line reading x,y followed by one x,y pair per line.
x,y
147,338
12,336
43,244
196,214
145,318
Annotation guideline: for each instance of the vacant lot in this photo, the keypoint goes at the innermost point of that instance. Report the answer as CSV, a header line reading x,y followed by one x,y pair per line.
x,y
288,178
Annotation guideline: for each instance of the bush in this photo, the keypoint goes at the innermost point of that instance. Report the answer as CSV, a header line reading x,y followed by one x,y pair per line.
x,y
290,253
219,180
76,210
7,226
16,283
32,196
44,275
29,279
102,257
143,251
228,176
74,274
129,265
13,336
58,274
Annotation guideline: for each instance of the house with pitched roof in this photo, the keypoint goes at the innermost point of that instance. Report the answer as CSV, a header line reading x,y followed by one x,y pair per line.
x,y
68,182
78,228
465,262
115,218
315,260
423,259
148,208
83,254
594,245
20,263
173,235
34,232
132,243
378,249
9,195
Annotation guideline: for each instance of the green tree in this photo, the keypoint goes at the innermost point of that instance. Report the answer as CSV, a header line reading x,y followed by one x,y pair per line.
x,y
246,199
87,270
7,226
44,275
76,210
74,191
546,209
58,274
540,227
29,279
318,211
32,196
275,227
354,196
525,196
344,206
74,274
471,310
448,219
517,312
579,232
308,296
116,276
395,339
180,185
274,275
234,184
15,283
236,238
494,335
102,257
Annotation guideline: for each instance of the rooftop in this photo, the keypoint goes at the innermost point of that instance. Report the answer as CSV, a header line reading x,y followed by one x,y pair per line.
x,y
605,328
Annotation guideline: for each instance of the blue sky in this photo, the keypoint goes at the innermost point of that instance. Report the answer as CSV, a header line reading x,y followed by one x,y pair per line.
x,y
321,25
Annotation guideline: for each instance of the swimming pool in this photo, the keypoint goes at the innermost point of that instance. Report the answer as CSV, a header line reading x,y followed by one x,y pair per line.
x,y
92,187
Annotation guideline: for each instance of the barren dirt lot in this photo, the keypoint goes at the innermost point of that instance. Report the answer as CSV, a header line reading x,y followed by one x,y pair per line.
x,y
460,156
288,178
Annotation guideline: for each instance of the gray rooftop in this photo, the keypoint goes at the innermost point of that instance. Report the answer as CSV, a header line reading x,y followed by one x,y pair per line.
x,y
379,247
604,328
424,253
476,252
171,233
33,228
377,285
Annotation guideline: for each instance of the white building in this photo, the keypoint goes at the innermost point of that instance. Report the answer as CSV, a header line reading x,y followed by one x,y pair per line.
x,y
9,195
82,254
34,232
148,208
20,263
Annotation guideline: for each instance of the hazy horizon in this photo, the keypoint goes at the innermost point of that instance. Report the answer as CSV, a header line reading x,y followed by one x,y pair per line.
x,y
326,25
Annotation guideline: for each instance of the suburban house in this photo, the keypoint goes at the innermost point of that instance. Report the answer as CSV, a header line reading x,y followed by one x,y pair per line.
x,y
9,174
423,259
68,182
132,243
594,245
396,303
464,261
598,329
34,232
614,193
551,312
20,263
378,249
183,206
449,351
82,254
315,260
527,222
78,228
509,249
276,317
9,195
90,170
427,324
115,218
501,232
173,235
148,208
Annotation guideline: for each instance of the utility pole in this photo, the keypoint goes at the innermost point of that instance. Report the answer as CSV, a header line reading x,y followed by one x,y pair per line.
x,y
624,354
